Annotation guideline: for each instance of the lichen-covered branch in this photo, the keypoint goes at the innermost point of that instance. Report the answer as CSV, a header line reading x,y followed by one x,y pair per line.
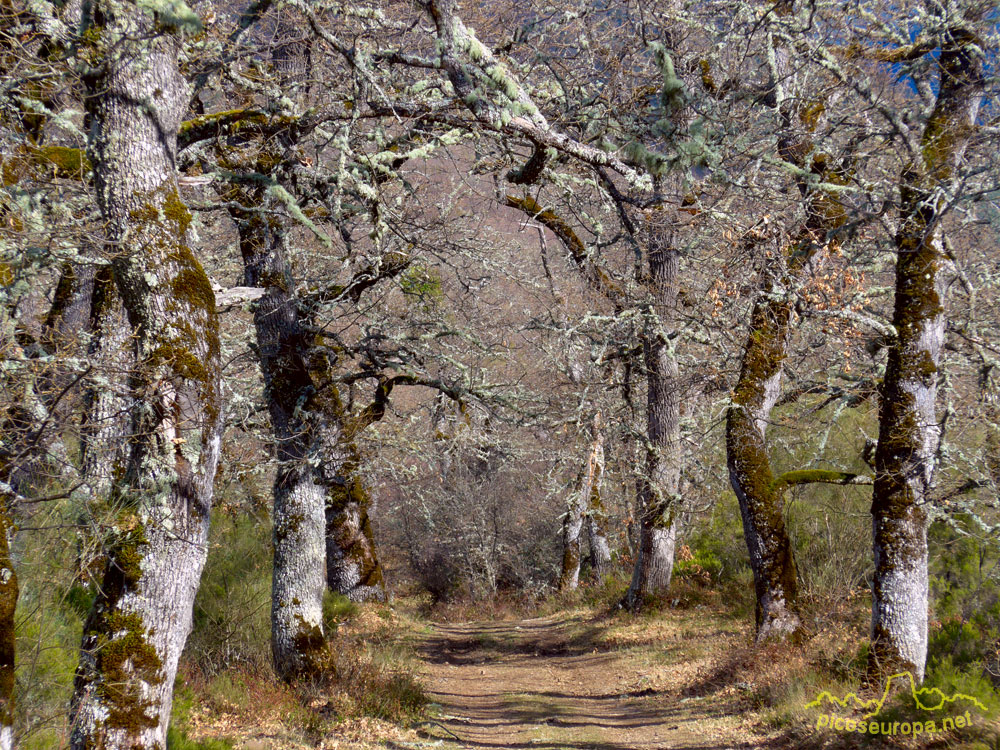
x,y
818,476
600,280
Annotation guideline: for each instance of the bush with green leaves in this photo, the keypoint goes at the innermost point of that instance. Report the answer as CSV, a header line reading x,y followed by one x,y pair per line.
x,y
966,600
232,623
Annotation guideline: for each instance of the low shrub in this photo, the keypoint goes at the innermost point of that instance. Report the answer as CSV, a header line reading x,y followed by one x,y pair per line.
x,y
372,673
701,566
232,622
336,609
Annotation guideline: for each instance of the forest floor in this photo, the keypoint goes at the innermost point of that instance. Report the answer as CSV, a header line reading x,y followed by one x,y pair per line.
x,y
582,679
584,682
684,674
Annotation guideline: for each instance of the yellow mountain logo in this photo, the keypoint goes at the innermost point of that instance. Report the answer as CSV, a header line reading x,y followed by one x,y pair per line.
x,y
926,699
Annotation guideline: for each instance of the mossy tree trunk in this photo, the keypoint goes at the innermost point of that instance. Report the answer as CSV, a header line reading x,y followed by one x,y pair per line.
x,y
297,639
582,501
352,565
572,526
323,536
908,426
139,623
750,473
8,605
294,402
597,518
759,385
658,504
759,493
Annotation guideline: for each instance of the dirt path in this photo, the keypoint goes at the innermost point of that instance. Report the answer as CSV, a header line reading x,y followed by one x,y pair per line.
x,y
561,683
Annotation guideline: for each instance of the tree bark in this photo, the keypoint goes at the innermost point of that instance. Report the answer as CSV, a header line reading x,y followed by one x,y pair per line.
x,y
136,631
9,592
658,512
750,473
597,523
103,453
352,566
908,429
581,505
297,639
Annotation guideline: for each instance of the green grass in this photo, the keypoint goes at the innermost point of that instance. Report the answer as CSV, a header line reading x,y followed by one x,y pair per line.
x,y
178,740
337,608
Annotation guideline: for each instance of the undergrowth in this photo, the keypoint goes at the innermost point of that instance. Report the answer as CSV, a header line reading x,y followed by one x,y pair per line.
x,y
226,679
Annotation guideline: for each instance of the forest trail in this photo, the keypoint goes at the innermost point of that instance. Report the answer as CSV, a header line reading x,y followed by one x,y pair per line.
x,y
562,682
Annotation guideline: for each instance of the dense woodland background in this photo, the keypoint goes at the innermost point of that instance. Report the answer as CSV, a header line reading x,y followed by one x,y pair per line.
x,y
477,304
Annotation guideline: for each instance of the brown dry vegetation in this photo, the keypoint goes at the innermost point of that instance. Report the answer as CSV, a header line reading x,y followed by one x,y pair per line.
x,y
579,674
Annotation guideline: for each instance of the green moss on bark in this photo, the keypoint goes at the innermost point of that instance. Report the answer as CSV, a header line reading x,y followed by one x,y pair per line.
x,y
68,163
371,568
124,656
311,650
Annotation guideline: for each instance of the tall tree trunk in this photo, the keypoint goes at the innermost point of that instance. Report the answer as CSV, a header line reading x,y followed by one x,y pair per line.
x,y
908,427
750,473
297,639
658,512
307,421
756,392
297,582
759,494
582,501
139,623
8,604
759,385
597,519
